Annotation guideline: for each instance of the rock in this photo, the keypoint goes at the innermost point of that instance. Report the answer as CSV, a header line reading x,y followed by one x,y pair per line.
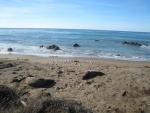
x,y
46,94
146,91
92,74
147,66
42,83
76,61
118,55
60,72
124,93
41,46
54,47
132,43
72,71
89,82
76,45
10,50
8,97
96,40
18,79
14,72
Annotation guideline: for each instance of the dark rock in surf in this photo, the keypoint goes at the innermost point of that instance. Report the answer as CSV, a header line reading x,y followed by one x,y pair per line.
x,y
42,83
76,45
118,55
96,40
92,74
132,43
41,46
54,47
10,49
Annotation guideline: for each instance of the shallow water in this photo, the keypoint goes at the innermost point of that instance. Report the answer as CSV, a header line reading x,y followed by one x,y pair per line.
x,y
109,44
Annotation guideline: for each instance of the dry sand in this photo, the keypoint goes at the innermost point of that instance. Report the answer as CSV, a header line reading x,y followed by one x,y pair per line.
x,y
125,87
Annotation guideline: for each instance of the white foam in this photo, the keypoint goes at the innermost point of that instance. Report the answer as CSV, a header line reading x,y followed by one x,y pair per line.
x,y
64,52
146,47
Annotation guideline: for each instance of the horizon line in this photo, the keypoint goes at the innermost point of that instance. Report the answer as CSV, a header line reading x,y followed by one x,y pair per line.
x,y
73,29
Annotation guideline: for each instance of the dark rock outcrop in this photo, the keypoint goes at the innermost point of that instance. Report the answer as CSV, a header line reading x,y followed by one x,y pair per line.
x,y
54,47
10,49
42,83
132,43
96,40
92,74
76,45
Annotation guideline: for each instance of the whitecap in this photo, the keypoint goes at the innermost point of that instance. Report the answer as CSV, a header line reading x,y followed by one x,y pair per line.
x,y
146,46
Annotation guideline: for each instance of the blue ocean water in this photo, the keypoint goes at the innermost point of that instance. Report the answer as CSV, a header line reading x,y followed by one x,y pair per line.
x,y
109,44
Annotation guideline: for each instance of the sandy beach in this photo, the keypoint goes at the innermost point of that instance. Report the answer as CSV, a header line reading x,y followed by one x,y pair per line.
x,y
125,87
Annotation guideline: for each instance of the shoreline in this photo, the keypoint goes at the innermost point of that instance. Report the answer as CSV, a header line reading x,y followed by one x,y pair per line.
x,y
29,57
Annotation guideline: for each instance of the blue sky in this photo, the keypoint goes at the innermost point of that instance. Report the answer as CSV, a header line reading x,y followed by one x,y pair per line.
x,y
129,15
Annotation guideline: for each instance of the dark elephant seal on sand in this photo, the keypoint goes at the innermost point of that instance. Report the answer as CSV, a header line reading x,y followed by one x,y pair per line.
x,y
9,98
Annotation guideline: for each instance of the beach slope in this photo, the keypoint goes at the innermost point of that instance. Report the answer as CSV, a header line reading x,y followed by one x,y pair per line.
x,y
124,87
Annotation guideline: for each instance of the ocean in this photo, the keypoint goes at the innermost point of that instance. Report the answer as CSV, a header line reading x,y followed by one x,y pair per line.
x,y
93,43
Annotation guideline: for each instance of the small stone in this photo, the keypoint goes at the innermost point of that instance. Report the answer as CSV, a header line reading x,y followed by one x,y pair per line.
x,y
76,61
57,88
71,71
14,72
89,82
18,79
46,94
124,93
60,72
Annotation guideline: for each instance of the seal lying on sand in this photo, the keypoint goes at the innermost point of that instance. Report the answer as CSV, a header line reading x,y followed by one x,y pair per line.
x,y
46,105
8,98
10,102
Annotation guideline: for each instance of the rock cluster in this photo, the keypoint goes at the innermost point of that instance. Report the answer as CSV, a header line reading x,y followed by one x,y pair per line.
x,y
132,43
54,47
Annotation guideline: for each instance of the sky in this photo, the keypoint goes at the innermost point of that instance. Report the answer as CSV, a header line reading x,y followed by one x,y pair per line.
x,y
124,15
